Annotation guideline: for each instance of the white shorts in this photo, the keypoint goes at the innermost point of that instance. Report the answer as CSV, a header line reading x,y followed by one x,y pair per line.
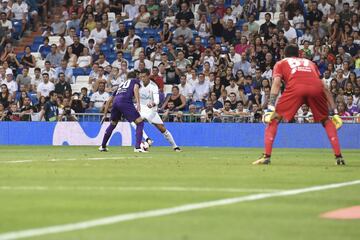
x,y
150,115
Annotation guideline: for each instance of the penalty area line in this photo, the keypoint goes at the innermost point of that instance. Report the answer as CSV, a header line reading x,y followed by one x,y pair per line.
x,y
165,211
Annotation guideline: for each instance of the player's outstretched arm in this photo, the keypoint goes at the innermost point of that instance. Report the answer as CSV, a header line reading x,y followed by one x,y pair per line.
x,y
275,89
106,109
329,97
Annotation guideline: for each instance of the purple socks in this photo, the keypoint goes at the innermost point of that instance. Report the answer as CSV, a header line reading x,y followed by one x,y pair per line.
x,y
139,132
107,135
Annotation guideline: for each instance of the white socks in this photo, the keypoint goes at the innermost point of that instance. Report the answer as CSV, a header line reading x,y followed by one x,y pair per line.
x,y
170,138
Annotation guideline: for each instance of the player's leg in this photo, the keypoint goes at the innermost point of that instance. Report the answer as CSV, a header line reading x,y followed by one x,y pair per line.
x,y
114,119
319,107
286,108
107,135
139,133
168,136
145,136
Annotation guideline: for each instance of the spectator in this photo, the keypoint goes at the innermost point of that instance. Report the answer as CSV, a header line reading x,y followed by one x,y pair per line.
x,y
136,49
54,57
77,47
185,88
155,20
142,59
229,32
27,110
45,87
50,112
84,60
58,26
28,60
63,68
62,85
226,110
10,83
70,57
66,113
74,22
131,10
102,61
264,28
216,26
36,80
45,48
90,22
185,13
253,26
20,9
99,98
6,26
50,71
86,37
183,30
24,78
121,32
243,65
99,34
313,13
201,88
351,106
5,96
142,19
129,40
5,8
178,100
289,32
156,78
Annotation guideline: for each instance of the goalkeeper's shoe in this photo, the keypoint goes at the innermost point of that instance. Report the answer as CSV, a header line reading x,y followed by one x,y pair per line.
x,y
103,149
339,160
263,160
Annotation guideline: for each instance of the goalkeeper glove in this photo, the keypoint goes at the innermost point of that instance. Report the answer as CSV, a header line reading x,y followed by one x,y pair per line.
x,y
336,119
268,114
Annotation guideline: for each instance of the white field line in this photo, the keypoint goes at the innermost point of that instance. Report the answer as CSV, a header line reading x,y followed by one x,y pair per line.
x,y
74,159
135,189
164,212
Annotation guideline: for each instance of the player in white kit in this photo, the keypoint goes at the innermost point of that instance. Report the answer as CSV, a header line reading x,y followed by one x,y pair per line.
x,y
149,99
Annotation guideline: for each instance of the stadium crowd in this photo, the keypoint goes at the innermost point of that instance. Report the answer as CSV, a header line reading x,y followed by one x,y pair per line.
x,y
212,60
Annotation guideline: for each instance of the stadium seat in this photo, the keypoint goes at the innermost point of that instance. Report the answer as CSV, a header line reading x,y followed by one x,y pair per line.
x,y
19,55
128,23
17,26
39,39
299,33
35,47
78,72
82,79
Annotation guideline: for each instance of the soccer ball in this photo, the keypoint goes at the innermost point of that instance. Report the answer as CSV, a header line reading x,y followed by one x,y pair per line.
x,y
144,146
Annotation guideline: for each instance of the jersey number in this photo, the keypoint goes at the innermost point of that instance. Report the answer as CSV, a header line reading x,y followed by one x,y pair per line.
x,y
123,86
294,63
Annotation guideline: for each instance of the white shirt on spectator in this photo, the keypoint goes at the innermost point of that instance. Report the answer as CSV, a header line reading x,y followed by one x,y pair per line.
x,y
98,36
201,90
227,17
234,89
20,10
51,73
148,64
68,40
84,61
131,41
99,99
325,9
85,40
298,21
45,88
290,34
7,24
236,58
12,86
187,90
131,10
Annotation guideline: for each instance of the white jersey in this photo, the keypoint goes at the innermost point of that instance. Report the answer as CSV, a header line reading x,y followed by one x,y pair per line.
x,y
149,94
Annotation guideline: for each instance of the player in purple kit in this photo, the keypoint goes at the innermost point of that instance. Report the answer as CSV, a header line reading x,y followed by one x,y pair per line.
x,y
123,105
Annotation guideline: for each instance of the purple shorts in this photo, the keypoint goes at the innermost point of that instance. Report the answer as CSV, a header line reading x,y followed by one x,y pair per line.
x,y
124,109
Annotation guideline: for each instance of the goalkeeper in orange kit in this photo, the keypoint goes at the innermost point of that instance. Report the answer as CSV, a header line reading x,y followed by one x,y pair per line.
x,y
303,85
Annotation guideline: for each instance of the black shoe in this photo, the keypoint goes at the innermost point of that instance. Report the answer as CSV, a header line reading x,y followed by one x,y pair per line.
x,y
339,160
177,149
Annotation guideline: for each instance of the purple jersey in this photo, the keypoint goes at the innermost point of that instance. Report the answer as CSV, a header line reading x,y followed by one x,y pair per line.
x,y
125,91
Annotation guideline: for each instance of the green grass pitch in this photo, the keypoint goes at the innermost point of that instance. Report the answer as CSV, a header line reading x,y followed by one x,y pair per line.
x,y
47,186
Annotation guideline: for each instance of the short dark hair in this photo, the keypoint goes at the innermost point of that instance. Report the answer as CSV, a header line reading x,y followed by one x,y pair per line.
x,y
131,75
52,93
146,71
227,101
292,50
